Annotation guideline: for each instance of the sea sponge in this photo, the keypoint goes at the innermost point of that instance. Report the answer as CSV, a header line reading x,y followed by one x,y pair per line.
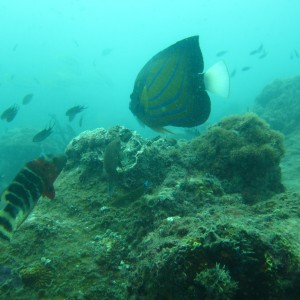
x,y
245,154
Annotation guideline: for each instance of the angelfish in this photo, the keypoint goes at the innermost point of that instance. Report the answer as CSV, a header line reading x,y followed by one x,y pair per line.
x,y
171,88
34,180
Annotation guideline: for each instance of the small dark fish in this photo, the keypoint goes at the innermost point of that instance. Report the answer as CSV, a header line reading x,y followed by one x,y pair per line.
x,y
257,50
73,111
106,51
296,53
112,160
247,68
253,52
10,113
76,43
15,47
34,180
263,55
133,195
36,80
233,72
43,134
27,99
221,53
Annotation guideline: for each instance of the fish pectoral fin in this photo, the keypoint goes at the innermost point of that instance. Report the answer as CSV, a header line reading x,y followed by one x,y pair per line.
x,y
216,79
162,130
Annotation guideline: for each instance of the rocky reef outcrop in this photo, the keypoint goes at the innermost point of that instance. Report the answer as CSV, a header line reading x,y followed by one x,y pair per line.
x,y
279,104
200,219
244,153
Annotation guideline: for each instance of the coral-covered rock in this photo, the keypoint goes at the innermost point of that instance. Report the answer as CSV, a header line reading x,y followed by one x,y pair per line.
x,y
279,104
169,229
244,153
214,262
141,160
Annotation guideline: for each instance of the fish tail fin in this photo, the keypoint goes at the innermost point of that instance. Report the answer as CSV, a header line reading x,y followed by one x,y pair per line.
x,y
216,79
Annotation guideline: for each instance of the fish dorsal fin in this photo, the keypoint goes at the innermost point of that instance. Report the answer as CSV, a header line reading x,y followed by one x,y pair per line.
x,y
216,79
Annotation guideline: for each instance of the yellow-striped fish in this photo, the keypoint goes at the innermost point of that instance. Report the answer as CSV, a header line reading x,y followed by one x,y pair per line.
x,y
171,88
34,180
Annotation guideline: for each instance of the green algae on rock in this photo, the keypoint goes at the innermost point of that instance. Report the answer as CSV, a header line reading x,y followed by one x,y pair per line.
x,y
250,264
244,153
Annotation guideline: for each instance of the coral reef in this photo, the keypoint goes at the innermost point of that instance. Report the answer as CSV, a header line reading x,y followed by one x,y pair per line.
x,y
140,160
177,224
244,153
279,104
248,260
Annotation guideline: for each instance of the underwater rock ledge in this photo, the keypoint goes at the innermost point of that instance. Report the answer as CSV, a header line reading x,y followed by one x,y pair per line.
x,y
241,151
182,220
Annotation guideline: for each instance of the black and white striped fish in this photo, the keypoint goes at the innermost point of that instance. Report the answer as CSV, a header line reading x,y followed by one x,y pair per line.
x,y
34,180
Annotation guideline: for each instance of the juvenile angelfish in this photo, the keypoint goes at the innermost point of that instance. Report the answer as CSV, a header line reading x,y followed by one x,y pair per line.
x,y
34,180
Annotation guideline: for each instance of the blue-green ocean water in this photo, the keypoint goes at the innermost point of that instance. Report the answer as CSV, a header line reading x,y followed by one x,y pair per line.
x,y
89,52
